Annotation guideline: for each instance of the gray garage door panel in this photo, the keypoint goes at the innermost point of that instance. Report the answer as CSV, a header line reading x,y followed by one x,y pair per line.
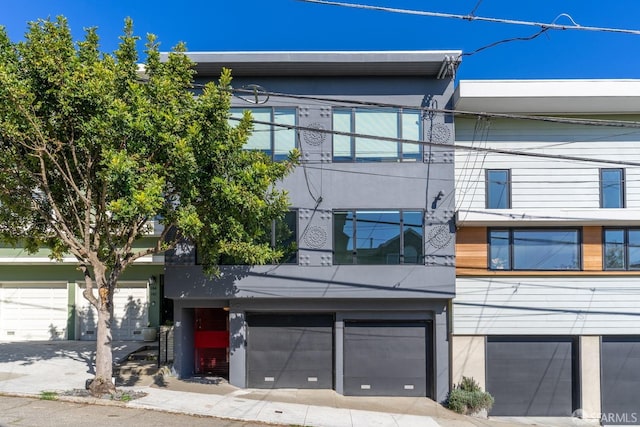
x,y
385,358
531,376
620,360
290,350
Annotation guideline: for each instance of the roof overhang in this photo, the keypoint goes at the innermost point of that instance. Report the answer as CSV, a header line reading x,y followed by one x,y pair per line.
x,y
549,96
425,63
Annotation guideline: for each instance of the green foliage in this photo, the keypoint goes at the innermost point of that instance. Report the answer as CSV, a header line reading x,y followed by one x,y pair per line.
x,y
48,395
468,398
94,148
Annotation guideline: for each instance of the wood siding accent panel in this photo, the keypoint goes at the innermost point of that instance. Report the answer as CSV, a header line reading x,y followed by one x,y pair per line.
x,y
592,248
471,250
546,306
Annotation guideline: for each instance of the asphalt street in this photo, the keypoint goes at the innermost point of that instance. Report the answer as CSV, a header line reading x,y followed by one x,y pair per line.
x,y
31,412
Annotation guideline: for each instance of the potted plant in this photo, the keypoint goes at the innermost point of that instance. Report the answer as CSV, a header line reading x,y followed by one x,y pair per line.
x,y
149,333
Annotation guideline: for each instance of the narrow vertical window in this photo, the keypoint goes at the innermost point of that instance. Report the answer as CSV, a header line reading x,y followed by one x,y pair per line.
x,y
498,189
611,188
614,249
499,250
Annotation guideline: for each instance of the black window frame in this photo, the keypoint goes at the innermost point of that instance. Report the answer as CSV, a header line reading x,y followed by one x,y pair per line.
x,y
294,257
272,128
401,225
625,244
623,189
507,188
400,157
511,247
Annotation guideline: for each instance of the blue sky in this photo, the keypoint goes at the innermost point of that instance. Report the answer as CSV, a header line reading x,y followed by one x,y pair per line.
x,y
217,25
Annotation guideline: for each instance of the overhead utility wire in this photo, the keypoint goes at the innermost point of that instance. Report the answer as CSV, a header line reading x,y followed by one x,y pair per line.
x,y
434,144
471,17
551,119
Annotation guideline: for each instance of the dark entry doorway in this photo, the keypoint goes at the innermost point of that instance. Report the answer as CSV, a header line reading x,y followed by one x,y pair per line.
x,y
211,339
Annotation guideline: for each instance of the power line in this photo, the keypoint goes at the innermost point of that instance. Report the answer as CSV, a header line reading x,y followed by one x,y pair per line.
x,y
453,146
549,119
472,17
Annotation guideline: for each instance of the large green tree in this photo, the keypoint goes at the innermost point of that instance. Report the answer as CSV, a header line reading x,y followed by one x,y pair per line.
x,y
94,147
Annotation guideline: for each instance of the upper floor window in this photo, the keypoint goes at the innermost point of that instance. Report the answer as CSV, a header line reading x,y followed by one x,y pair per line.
x,y
534,249
498,189
378,237
612,188
388,122
274,141
621,249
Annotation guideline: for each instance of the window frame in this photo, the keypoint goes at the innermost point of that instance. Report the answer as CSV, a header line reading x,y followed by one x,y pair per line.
x,y
621,183
511,247
400,154
401,226
272,243
625,245
488,185
272,128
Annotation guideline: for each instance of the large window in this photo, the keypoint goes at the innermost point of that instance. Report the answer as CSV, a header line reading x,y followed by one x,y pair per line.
x,y
275,141
389,122
534,249
498,189
612,188
378,237
280,234
621,249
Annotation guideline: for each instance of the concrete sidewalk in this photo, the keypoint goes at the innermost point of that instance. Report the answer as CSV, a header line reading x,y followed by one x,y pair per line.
x,y
29,368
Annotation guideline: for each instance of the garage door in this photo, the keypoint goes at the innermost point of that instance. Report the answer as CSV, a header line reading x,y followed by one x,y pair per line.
x,y
385,358
620,359
532,376
33,312
129,311
290,350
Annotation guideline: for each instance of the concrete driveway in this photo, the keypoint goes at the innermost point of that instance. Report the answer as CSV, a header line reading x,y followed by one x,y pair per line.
x,y
36,366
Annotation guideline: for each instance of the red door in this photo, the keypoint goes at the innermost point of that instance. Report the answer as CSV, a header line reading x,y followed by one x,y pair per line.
x,y
212,341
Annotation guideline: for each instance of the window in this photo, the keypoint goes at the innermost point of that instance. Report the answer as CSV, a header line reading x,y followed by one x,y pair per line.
x,y
498,189
389,122
274,141
534,249
281,234
621,249
612,188
378,237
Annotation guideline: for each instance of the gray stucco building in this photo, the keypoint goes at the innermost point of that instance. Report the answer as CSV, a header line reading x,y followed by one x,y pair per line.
x,y
363,305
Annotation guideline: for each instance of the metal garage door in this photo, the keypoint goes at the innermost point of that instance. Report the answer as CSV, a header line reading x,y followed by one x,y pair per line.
x,y
129,313
290,350
620,361
385,358
33,312
532,376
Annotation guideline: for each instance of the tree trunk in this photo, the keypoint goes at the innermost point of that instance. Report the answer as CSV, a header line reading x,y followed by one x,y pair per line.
x,y
102,383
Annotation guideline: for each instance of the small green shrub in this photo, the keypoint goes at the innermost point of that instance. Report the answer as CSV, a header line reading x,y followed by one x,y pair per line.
x,y
48,395
468,398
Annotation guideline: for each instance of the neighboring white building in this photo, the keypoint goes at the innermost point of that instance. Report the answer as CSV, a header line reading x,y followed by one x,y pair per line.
x,y
547,307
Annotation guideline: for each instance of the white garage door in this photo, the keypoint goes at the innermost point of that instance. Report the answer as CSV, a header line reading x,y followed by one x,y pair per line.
x,y
130,312
31,312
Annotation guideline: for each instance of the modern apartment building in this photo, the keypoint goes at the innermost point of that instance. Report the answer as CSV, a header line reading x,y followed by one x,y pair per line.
x,y
362,305
547,307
